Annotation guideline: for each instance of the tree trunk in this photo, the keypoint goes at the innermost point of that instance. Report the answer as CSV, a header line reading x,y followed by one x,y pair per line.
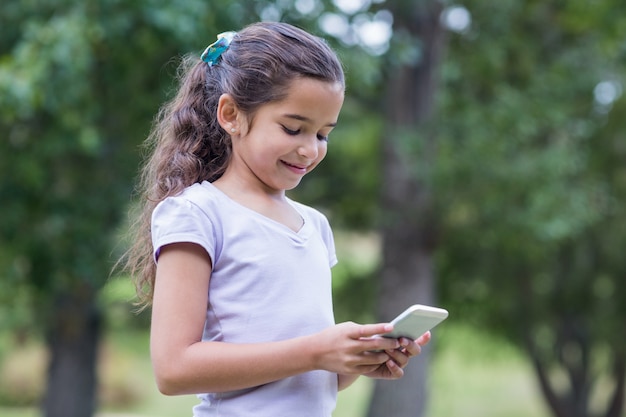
x,y
570,354
72,339
615,406
408,228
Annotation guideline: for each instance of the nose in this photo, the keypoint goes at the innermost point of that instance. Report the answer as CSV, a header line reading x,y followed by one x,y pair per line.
x,y
310,148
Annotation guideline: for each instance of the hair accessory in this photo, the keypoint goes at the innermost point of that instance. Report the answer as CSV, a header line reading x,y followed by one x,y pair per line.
x,y
213,52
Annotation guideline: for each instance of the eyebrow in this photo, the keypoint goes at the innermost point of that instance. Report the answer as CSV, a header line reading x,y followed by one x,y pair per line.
x,y
305,119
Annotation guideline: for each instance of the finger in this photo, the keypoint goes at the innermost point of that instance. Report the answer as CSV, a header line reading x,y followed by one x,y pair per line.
x,y
410,347
400,357
424,339
394,370
366,369
370,330
375,357
377,343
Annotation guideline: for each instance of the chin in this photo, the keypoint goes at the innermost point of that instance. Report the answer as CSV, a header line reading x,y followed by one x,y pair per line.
x,y
291,186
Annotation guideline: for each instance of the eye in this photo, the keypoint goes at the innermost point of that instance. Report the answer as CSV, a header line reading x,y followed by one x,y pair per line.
x,y
291,132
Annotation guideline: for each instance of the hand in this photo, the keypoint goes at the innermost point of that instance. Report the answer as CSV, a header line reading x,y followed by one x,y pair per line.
x,y
399,358
355,349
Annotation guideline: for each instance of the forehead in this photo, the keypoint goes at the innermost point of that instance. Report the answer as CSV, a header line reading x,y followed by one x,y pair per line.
x,y
312,99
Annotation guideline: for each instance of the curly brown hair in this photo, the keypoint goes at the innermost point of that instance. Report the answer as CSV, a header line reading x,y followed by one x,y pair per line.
x,y
187,145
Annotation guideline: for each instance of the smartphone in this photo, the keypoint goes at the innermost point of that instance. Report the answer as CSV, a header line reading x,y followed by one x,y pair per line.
x,y
415,321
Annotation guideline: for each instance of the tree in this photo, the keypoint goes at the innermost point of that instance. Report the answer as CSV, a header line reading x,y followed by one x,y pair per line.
x,y
529,191
79,85
407,222
510,170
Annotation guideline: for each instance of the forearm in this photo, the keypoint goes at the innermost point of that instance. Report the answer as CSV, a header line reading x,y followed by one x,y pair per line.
x,y
218,367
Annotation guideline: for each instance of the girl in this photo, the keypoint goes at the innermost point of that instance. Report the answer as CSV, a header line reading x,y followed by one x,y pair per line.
x,y
238,274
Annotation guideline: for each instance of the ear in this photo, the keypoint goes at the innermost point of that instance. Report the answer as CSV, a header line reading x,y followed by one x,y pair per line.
x,y
228,114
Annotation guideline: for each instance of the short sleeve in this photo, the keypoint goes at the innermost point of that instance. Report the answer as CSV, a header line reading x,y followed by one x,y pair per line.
x,y
178,220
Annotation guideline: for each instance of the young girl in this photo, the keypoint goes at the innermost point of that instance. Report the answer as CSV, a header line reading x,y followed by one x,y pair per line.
x,y
238,274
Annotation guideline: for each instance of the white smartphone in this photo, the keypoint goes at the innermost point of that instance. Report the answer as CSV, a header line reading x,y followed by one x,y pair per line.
x,y
415,321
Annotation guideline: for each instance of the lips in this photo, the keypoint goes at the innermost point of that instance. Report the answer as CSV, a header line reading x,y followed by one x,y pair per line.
x,y
299,169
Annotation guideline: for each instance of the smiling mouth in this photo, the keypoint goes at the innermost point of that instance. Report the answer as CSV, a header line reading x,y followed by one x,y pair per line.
x,y
301,167
293,165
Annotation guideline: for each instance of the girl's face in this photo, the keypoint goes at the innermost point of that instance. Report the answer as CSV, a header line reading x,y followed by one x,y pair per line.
x,y
288,139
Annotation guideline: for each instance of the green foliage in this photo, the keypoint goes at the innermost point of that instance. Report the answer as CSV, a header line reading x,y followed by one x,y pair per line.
x,y
79,86
530,180
80,83
76,100
521,133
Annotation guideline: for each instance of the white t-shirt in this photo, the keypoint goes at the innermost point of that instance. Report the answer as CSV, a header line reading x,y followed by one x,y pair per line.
x,y
268,283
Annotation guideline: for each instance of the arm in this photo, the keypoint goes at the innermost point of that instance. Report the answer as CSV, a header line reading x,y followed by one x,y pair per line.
x,y
184,364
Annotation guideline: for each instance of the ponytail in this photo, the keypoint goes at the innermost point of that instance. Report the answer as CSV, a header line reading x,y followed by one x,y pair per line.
x,y
186,145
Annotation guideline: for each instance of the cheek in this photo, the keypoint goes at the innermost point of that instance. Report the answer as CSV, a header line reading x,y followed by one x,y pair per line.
x,y
322,150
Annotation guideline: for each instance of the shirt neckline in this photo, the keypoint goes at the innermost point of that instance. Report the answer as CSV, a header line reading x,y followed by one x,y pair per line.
x,y
302,233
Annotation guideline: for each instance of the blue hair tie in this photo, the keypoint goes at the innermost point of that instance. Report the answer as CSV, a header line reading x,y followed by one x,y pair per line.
x,y
213,52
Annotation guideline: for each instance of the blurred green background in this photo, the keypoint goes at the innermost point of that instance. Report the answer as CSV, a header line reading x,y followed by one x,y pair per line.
x,y
502,125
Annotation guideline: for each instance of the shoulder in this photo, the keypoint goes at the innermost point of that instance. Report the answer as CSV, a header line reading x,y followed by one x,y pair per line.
x,y
199,196
194,208
190,216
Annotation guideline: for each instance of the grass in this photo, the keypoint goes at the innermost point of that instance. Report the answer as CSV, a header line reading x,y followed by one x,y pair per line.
x,y
476,375
472,375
